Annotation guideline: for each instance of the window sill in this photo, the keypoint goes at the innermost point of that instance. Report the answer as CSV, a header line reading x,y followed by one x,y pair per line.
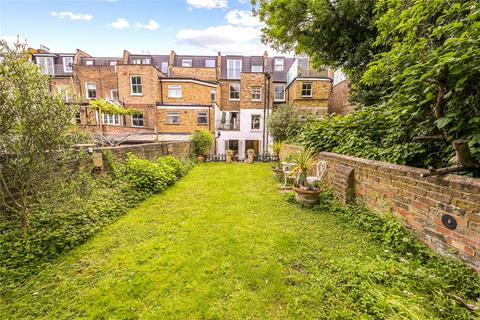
x,y
136,94
256,100
275,100
233,99
137,126
172,124
202,124
174,97
306,96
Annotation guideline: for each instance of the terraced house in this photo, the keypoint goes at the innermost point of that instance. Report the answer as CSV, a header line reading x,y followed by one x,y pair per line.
x,y
229,95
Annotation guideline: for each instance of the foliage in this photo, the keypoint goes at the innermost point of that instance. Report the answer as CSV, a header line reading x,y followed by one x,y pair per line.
x,y
371,133
304,159
432,67
338,34
277,148
34,139
283,121
112,108
451,276
413,67
205,250
202,141
78,207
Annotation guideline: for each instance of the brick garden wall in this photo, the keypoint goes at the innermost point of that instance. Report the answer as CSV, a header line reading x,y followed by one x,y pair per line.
x,y
151,151
419,202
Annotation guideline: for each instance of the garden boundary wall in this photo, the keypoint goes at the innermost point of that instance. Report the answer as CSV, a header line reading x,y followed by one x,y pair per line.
x,y
151,151
442,211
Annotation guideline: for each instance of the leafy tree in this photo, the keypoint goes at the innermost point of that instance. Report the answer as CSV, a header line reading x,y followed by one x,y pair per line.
x,y
283,122
34,126
337,33
433,67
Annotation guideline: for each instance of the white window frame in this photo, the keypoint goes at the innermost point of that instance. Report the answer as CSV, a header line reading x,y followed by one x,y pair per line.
x,y
259,121
187,63
174,91
230,91
89,62
204,115
209,66
111,119
311,90
136,60
259,93
47,64
164,67
257,68
67,67
86,90
139,117
111,94
172,114
138,86
213,95
113,63
278,64
275,92
233,72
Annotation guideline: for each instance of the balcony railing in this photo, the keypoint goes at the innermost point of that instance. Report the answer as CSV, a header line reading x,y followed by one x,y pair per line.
x,y
228,125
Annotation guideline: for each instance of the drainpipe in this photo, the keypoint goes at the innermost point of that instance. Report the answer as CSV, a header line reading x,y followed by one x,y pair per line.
x,y
267,113
264,110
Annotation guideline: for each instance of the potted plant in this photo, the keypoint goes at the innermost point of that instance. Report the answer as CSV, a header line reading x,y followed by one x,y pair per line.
x,y
277,148
305,194
250,155
202,143
229,154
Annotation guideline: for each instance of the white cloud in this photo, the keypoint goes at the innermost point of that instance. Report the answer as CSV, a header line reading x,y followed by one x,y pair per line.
x,y
242,18
151,25
72,16
224,38
208,4
120,23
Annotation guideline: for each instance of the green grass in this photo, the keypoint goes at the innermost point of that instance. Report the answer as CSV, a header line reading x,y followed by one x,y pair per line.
x,y
224,244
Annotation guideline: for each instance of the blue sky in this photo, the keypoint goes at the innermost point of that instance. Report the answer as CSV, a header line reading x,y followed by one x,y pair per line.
x,y
106,27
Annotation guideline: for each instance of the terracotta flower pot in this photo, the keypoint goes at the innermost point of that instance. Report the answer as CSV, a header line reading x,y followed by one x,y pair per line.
x,y
200,158
307,198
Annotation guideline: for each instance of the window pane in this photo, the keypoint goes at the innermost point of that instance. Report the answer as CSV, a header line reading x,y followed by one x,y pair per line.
x,y
202,117
165,67
174,91
278,64
137,120
279,94
257,68
210,63
255,125
234,91
186,63
173,117
256,93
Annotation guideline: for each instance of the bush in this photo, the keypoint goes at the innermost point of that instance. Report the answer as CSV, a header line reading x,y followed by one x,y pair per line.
x,y
79,207
202,141
283,122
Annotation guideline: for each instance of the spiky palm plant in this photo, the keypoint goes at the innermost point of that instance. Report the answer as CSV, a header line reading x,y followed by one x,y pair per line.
x,y
303,160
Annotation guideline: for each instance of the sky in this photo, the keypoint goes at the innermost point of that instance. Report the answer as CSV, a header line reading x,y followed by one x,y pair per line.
x,y
107,27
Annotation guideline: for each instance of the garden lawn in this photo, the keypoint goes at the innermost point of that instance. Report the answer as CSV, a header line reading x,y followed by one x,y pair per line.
x,y
223,243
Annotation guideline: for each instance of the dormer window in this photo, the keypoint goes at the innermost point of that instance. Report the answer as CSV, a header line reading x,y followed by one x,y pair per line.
x,y
89,62
165,67
187,63
234,66
47,64
278,64
141,61
67,64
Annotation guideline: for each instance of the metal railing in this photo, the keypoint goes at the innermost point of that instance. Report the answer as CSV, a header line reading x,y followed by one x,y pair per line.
x,y
229,125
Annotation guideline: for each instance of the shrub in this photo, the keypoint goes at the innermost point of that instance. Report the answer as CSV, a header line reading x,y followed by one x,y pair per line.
x,y
283,122
202,141
147,176
79,207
